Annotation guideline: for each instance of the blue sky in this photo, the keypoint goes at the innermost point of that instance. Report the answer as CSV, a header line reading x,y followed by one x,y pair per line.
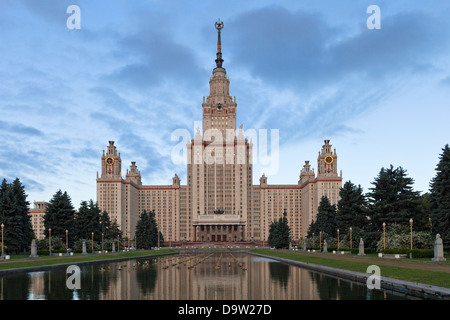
x,y
138,70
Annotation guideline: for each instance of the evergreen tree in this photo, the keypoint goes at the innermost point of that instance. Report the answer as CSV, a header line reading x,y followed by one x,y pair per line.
x,y
147,231
60,216
115,230
279,233
440,198
22,216
425,207
87,220
351,208
18,231
326,218
392,200
311,229
107,226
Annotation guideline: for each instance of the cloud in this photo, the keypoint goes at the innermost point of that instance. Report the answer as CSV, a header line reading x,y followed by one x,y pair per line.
x,y
156,59
302,51
445,81
19,129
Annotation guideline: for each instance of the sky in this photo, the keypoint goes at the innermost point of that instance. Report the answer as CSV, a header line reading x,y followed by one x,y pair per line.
x,y
137,71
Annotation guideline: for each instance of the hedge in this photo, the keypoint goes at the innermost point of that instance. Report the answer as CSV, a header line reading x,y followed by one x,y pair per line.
x,y
416,253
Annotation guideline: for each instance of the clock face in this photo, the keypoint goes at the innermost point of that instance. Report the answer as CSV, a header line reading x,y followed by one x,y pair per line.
x,y
109,161
219,106
328,159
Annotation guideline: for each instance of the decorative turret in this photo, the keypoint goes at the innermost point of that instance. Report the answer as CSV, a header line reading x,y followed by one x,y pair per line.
x,y
307,174
263,181
327,161
111,162
134,174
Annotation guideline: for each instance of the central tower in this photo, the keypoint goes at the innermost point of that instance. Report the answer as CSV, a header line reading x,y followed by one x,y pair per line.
x,y
219,109
219,164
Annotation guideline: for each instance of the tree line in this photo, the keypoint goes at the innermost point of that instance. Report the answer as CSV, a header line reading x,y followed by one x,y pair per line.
x,y
59,216
391,201
88,223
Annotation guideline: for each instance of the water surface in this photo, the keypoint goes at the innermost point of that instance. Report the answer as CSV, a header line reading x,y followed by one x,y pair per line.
x,y
207,276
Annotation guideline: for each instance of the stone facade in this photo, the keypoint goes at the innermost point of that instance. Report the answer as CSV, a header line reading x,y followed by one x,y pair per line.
x,y
37,218
219,201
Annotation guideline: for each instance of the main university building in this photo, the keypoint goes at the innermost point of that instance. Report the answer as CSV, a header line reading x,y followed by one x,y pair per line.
x,y
219,202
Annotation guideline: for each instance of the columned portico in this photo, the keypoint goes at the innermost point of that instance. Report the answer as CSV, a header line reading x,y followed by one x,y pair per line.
x,y
219,228
219,233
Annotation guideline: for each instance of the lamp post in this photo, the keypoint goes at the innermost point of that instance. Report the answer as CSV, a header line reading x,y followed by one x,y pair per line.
x,y
350,238
410,224
50,241
313,239
338,238
67,240
384,235
92,247
102,242
320,241
3,252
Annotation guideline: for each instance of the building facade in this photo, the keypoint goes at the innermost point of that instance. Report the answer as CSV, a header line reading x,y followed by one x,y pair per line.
x,y
37,218
219,201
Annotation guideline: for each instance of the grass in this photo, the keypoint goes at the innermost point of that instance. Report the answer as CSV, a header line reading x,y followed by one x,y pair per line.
x,y
437,278
47,260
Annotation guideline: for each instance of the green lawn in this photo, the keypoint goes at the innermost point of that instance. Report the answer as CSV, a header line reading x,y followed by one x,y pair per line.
x,y
21,262
437,278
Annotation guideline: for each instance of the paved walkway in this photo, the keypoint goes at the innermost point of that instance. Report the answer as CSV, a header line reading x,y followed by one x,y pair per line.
x,y
445,267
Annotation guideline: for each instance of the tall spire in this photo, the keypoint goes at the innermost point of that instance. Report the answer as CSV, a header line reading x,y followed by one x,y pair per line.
x,y
219,60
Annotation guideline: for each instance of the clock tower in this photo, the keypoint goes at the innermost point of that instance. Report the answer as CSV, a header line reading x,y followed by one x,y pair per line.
x,y
327,161
111,163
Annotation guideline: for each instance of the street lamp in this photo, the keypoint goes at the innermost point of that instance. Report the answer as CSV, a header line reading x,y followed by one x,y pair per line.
x,y
50,241
313,240
67,240
92,242
411,223
384,235
3,252
102,242
338,238
350,238
320,241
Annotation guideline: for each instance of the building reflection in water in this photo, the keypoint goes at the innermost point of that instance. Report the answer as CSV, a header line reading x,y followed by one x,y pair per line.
x,y
208,276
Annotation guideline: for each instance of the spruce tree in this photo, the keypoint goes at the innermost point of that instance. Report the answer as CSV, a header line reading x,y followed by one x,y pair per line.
x,y
60,216
351,208
326,218
147,231
18,231
106,225
25,234
440,198
87,220
392,200
311,229
279,233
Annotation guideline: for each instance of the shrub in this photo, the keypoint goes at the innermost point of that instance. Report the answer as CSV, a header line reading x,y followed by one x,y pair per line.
x,y
416,253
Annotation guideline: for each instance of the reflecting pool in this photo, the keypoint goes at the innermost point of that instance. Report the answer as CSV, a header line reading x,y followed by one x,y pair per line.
x,y
186,276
